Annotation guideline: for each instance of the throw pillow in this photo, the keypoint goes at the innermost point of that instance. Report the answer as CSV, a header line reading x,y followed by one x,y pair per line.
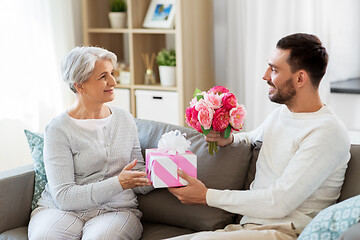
x,y
36,144
225,170
334,220
352,233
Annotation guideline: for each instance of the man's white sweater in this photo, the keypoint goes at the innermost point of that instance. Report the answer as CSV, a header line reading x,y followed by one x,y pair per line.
x,y
300,168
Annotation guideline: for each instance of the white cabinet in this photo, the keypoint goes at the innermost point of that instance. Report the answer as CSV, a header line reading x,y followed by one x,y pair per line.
x,y
122,98
160,106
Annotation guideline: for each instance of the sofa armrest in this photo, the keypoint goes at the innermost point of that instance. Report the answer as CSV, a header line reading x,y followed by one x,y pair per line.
x,y
16,192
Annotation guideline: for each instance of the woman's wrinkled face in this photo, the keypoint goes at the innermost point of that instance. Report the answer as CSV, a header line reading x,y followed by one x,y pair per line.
x,y
100,85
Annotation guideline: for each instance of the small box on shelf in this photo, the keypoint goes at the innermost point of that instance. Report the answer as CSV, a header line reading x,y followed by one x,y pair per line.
x,y
122,73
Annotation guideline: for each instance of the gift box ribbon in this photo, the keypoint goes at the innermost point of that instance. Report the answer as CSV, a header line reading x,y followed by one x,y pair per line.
x,y
181,163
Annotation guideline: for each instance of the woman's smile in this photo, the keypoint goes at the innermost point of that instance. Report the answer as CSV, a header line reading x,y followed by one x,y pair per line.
x,y
111,91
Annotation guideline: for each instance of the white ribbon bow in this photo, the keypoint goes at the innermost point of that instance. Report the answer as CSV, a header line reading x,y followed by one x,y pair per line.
x,y
173,142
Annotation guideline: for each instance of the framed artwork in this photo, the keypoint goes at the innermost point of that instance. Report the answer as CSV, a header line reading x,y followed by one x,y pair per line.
x,y
160,14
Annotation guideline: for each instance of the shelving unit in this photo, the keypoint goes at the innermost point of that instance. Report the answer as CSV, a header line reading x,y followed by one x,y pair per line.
x,y
192,39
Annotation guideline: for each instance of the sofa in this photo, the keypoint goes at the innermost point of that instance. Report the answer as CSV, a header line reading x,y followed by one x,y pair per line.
x,y
233,167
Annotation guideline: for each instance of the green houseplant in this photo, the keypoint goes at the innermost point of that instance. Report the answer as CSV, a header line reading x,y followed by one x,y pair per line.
x,y
118,6
166,59
117,14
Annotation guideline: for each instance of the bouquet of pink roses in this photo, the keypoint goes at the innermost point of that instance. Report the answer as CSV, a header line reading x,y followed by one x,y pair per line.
x,y
216,109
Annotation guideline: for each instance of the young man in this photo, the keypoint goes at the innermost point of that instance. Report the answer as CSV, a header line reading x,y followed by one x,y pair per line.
x,y
303,158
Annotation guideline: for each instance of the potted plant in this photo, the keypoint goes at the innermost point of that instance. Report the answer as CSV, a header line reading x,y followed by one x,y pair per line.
x,y
166,59
117,14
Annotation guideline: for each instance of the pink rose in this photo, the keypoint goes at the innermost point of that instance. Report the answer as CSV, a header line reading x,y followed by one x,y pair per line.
x,y
205,117
213,100
237,117
193,102
229,101
201,104
191,118
221,120
218,90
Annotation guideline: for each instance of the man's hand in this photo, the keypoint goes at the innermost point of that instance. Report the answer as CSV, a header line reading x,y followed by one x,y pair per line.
x,y
130,179
218,137
193,193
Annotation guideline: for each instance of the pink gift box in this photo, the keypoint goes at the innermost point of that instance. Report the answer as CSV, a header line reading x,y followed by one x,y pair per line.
x,y
162,167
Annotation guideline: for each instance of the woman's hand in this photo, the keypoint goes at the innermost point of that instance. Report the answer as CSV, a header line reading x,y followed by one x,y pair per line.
x,y
218,137
130,179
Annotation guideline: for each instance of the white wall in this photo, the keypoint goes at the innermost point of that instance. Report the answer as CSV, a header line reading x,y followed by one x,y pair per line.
x,y
14,150
341,25
344,63
67,33
347,107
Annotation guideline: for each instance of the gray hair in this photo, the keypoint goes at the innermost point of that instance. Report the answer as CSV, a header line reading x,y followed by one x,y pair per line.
x,y
79,63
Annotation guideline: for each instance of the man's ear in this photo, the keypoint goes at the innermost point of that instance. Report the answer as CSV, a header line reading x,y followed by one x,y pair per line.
x,y
302,78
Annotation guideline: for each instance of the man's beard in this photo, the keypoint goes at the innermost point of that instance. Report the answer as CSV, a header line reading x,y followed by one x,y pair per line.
x,y
284,93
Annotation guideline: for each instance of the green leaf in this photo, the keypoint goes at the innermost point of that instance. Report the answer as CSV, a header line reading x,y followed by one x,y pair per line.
x,y
205,131
227,131
198,97
196,92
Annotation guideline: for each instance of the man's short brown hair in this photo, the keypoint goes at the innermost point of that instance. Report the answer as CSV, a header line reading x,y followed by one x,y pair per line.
x,y
307,53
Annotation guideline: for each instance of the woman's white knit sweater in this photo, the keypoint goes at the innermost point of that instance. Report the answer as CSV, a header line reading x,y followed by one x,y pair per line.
x,y
81,173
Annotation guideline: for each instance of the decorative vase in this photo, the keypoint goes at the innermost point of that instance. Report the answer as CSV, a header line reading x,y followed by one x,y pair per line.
x,y
167,76
149,77
117,19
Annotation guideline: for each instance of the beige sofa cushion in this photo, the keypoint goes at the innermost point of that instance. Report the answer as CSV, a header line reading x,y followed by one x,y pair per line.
x,y
226,170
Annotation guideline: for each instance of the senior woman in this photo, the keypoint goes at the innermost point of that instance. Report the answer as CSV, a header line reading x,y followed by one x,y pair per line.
x,y
92,159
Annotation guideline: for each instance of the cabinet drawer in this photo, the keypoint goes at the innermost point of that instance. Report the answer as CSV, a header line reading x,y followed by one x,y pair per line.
x,y
157,105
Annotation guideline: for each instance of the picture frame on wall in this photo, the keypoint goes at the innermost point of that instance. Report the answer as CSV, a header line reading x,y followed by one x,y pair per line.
x,y
160,14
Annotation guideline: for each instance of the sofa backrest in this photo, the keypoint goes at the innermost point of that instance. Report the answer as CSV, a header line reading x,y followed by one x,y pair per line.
x,y
16,192
351,186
